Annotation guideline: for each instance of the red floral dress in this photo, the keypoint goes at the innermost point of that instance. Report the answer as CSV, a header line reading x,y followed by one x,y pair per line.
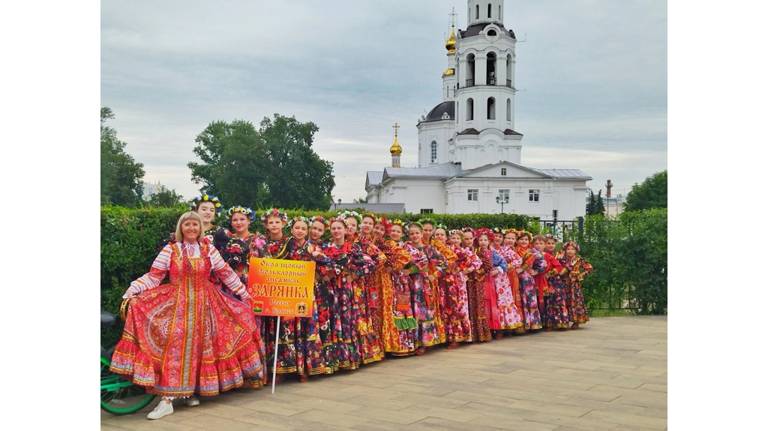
x,y
577,269
187,336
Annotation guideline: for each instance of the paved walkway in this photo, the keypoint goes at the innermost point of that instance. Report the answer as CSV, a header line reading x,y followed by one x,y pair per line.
x,y
610,375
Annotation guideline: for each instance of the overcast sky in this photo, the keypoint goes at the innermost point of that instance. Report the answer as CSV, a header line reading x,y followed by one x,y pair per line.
x,y
591,74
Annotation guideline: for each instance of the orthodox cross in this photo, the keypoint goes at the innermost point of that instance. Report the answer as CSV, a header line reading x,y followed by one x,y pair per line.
x,y
396,126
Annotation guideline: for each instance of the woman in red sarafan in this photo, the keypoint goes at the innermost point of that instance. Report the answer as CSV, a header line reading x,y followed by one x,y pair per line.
x,y
187,336
458,326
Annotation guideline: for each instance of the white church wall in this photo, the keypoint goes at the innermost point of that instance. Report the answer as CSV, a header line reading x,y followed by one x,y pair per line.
x,y
417,194
440,132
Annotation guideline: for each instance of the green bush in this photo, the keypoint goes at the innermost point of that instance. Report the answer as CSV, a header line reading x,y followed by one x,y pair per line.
x,y
629,255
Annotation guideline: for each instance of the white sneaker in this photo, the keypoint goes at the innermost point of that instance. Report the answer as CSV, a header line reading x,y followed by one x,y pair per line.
x,y
164,408
192,402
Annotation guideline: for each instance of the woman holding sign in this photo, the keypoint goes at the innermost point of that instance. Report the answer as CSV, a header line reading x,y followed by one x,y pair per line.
x,y
188,337
305,355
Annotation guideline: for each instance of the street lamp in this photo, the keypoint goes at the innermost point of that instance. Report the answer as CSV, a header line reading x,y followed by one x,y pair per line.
x,y
502,199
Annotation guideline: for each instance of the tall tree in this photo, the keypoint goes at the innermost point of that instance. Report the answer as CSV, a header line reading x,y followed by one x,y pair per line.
x,y
599,204
165,197
652,193
272,166
121,175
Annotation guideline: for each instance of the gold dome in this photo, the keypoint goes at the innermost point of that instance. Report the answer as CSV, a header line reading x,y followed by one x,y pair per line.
x,y
395,149
450,44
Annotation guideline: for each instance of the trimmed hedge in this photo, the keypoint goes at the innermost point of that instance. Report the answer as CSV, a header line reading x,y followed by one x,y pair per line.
x,y
629,254
131,238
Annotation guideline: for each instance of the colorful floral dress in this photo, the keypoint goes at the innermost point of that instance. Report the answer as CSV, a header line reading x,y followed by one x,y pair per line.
x,y
425,296
398,324
556,314
458,326
576,270
500,303
446,262
514,262
365,300
308,346
478,312
533,261
188,336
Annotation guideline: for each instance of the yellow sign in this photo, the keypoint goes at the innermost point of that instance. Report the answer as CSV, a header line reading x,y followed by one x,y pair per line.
x,y
282,287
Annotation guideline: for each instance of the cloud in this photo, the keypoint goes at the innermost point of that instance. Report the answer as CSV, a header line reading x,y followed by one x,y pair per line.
x,y
591,74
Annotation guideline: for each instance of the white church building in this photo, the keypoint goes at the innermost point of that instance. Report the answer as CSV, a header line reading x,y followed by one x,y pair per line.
x,y
469,152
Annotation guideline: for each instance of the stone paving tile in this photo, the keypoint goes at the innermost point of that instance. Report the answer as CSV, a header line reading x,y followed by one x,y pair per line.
x,y
609,375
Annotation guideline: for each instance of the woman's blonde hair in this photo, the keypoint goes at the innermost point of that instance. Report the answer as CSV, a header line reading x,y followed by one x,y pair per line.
x,y
189,215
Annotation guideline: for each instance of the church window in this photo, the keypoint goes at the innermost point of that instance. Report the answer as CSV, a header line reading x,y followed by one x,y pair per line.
x,y
491,108
490,68
509,70
477,12
509,110
470,70
489,10
504,195
472,194
499,12
503,172
533,195
491,32
433,152
427,211
470,109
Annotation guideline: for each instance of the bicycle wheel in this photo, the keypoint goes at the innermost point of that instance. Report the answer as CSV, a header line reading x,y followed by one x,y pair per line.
x,y
119,395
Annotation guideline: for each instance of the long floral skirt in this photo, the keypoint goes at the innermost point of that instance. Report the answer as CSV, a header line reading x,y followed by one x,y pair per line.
x,y
425,310
478,313
368,343
458,327
529,294
398,326
184,339
576,304
556,314
503,313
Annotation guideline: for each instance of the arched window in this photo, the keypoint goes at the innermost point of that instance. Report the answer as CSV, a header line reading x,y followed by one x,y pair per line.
x,y
489,10
470,70
470,109
509,70
433,152
491,108
477,12
509,110
490,69
499,12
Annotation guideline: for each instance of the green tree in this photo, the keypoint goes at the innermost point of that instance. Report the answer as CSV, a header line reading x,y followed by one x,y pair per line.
x,y
272,166
652,193
599,204
165,197
121,175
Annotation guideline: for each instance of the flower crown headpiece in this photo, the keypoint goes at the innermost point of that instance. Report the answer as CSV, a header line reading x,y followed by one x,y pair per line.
x,y
510,230
274,212
320,219
484,231
522,233
398,222
347,214
207,198
454,232
468,229
572,244
298,219
242,210
549,236
496,230
441,226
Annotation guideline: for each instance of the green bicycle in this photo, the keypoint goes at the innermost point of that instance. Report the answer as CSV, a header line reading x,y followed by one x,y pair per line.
x,y
119,395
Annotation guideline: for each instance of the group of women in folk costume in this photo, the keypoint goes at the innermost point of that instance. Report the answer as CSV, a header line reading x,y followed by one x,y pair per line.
x,y
381,287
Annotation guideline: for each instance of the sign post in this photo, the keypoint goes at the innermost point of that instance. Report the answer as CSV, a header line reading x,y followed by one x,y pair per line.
x,y
282,288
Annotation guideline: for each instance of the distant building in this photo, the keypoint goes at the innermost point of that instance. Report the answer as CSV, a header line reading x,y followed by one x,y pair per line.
x,y
469,153
374,208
